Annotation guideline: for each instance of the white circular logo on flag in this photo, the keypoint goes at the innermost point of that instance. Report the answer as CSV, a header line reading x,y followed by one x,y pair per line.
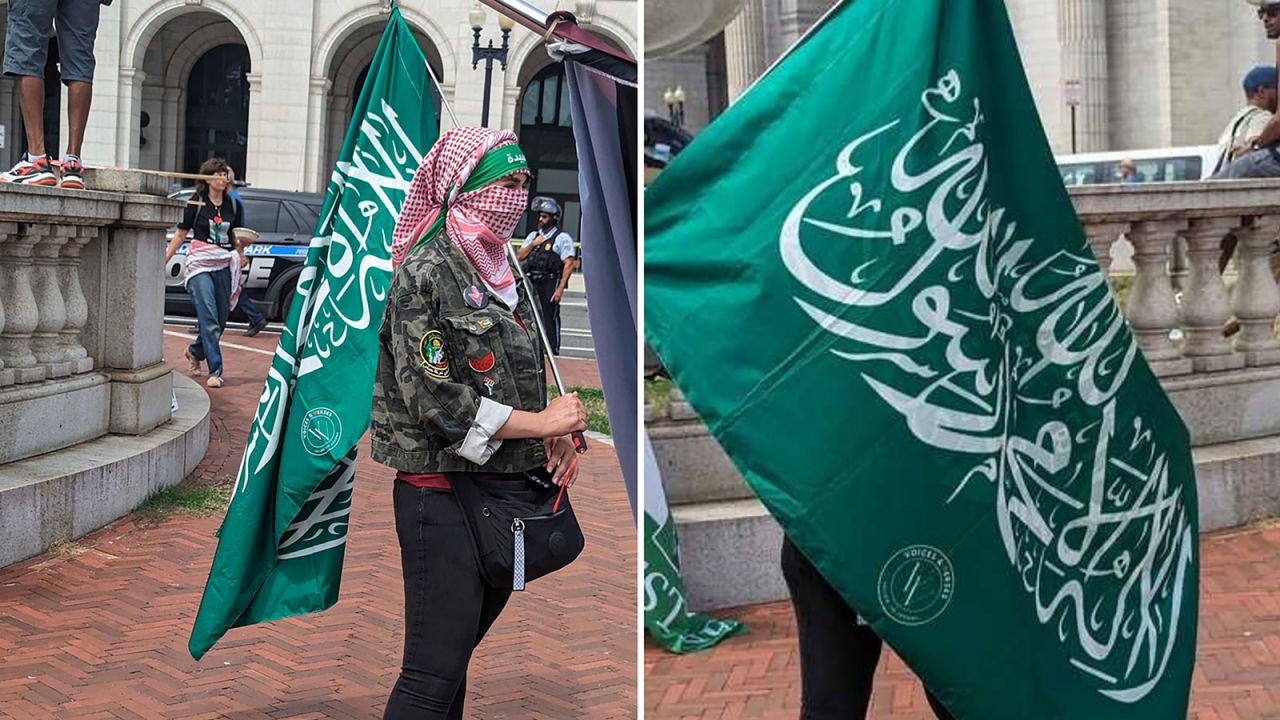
x,y
916,585
321,431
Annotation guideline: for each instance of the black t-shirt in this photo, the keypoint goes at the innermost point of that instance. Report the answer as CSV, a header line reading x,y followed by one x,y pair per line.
x,y
209,223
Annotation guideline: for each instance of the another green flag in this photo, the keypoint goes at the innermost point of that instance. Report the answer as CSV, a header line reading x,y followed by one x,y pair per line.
x,y
282,542
868,279
666,610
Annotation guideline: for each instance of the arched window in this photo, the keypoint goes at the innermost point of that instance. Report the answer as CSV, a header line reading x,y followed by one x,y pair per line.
x,y
546,135
218,108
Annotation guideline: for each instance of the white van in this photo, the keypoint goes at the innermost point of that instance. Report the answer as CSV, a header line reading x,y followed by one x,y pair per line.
x,y
1161,165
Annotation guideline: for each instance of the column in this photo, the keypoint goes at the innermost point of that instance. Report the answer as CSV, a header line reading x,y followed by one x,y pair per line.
x,y
1205,306
315,177
1101,237
170,115
1257,300
73,296
130,115
744,47
258,157
1152,311
1082,37
21,315
46,287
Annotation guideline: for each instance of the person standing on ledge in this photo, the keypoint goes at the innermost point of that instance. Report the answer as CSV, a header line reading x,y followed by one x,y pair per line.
x,y
26,51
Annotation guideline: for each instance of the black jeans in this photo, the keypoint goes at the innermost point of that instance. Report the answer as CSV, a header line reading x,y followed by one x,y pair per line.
x,y
448,608
838,657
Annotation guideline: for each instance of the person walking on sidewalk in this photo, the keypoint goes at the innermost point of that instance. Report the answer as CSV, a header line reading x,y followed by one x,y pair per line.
x,y
26,51
549,259
212,273
460,389
838,652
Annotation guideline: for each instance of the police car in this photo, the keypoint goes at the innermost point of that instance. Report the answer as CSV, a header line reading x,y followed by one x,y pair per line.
x,y
285,221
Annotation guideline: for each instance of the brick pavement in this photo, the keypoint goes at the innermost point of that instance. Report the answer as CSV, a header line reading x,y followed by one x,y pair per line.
x,y
756,675
99,631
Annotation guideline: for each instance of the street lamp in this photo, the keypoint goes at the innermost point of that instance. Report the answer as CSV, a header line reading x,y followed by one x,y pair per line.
x,y
488,54
675,97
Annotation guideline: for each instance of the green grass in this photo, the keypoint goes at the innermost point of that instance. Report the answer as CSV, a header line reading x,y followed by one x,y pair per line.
x,y
657,394
186,498
593,400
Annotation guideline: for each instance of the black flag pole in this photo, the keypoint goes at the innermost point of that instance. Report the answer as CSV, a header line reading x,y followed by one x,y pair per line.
x,y
579,440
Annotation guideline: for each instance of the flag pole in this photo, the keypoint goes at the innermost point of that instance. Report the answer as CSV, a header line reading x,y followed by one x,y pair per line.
x,y
579,440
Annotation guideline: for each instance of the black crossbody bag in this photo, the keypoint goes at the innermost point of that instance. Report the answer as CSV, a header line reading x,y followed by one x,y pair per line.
x,y
515,532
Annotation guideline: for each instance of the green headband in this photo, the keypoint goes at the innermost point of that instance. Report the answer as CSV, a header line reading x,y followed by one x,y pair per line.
x,y
493,166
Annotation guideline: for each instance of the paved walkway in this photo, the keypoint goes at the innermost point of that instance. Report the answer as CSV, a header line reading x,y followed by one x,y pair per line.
x,y
756,675
99,630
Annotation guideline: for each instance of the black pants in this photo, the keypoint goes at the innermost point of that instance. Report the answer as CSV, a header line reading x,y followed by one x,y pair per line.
x,y
838,657
545,286
448,608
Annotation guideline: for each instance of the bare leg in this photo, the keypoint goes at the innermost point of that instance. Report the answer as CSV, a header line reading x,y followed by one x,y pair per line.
x,y
31,98
79,95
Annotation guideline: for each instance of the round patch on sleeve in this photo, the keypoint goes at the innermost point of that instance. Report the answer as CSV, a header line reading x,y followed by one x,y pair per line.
x,y
431,350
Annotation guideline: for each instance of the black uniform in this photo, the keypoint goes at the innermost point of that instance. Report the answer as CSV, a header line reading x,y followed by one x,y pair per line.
x,y
544,266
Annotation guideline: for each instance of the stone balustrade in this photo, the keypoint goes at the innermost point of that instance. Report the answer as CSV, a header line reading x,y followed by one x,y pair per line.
x,y
81,317
1182,333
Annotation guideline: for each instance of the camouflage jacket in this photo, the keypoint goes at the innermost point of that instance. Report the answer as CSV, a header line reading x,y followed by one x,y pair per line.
x,y
446,342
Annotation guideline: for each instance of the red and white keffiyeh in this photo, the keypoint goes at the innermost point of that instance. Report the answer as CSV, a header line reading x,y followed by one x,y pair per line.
x,y
479,222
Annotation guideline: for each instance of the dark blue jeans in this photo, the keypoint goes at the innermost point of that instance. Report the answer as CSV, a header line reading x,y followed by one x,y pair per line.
x,y
838,657
448,607
211,294
250,309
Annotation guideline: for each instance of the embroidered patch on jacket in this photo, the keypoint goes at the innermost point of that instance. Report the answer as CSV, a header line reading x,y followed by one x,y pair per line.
x,y
481,364
489,384
431,350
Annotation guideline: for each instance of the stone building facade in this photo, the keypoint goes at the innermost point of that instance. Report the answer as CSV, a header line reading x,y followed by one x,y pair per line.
x,y
270,85
1153,73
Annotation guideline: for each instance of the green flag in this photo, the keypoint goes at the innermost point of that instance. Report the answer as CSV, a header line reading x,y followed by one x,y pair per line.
x,y
868,279
666,610
282,542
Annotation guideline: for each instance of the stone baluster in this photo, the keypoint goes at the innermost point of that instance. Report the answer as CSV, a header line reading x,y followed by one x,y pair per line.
x,y
1257,300
46,287
1101,237
1152,310
73,294
6,375
1205,303
21,316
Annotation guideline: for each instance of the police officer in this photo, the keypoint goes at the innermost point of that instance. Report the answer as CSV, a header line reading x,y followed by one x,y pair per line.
x,y
548,258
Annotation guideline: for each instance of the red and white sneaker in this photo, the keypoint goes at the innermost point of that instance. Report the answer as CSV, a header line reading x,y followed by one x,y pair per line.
x,y
25,172
72,175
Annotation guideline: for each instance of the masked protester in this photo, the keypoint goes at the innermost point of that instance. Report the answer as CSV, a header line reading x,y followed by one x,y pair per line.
x,y
460,390
548,259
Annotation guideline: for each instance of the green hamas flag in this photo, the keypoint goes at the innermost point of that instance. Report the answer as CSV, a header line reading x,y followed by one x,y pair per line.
x,y
666,612
868,279
282,542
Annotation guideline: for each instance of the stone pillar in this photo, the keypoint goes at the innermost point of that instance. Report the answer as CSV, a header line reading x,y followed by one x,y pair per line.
x,y
47,289
21,315
1101,237
257,156
1082,37
1205,306
315,178
131,114
170,114
1152,311
73,294
744,47
1257,300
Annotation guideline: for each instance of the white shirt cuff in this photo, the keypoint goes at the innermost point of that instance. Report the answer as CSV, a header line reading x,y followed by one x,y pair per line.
x,y
478,446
